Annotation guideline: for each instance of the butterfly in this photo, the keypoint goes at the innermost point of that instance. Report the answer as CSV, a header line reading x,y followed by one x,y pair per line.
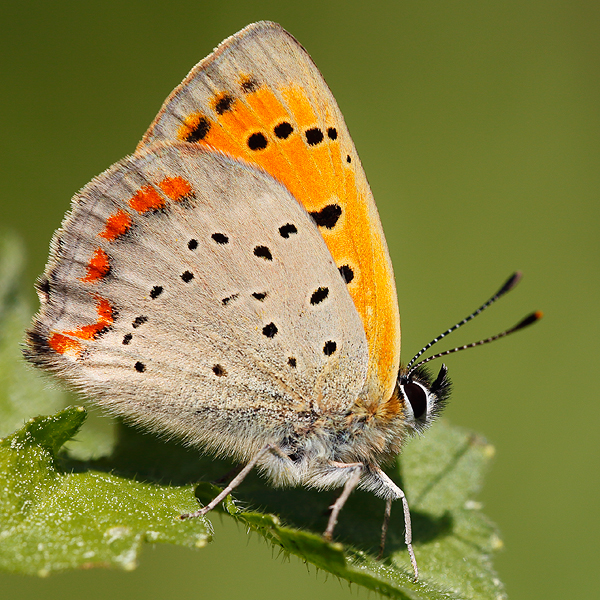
x,y
229,283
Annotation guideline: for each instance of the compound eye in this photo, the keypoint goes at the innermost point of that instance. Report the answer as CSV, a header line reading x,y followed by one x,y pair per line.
x,y
417,397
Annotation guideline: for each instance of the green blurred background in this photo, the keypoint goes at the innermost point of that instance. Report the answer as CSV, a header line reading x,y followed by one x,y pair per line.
x,y
478,127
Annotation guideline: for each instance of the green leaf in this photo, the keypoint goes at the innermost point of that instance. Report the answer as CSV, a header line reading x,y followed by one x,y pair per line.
x,y
52,520
81,507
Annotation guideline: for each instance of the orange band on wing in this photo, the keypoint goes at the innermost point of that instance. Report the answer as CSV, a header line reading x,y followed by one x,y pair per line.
x,y
105,319
64,345
146,199
98,267
176,188
116,226
63,342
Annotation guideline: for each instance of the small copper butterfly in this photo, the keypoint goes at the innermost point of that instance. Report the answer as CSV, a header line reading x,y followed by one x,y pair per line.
x,y
229,283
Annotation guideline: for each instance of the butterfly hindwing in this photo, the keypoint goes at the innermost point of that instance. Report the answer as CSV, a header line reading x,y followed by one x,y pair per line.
x,y
259,97
186,280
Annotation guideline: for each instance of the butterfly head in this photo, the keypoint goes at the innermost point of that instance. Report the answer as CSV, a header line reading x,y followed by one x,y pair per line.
x,y
422,396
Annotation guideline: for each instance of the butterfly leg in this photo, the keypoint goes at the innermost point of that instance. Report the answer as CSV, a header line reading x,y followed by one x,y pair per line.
x,y
351,483
399,494
233,484
384,527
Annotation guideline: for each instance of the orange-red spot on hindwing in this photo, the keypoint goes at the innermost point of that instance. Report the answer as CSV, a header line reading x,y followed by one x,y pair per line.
x,y
64,345
116,226
105,320
105,311
146,199
176,188
98,267
87,332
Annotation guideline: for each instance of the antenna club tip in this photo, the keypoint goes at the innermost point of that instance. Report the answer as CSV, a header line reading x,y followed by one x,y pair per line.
x,y
528,320
514,279
509,284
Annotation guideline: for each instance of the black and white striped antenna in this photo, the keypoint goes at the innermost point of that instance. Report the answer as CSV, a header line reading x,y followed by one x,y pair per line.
x,y
512,281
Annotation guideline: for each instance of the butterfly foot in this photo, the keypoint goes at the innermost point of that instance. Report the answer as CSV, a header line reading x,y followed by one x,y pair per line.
x,y
199,513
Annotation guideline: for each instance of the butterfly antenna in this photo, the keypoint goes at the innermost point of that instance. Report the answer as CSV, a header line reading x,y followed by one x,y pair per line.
x,y
528,320
508,285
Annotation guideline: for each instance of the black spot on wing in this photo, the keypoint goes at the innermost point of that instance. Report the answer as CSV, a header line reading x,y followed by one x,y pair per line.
x,y
187,276
283,130
270,330
220,238
219,371
314,136
286,230
328,216
263,252
249,85
329,348
139,321
319,295
201,128
257,141
224,103
347,273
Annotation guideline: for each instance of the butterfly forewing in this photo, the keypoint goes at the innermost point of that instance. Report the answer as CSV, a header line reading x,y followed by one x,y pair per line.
x,y
259,97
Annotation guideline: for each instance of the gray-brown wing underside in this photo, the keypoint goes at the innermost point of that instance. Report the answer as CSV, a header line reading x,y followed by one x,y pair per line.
x,y
219,310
